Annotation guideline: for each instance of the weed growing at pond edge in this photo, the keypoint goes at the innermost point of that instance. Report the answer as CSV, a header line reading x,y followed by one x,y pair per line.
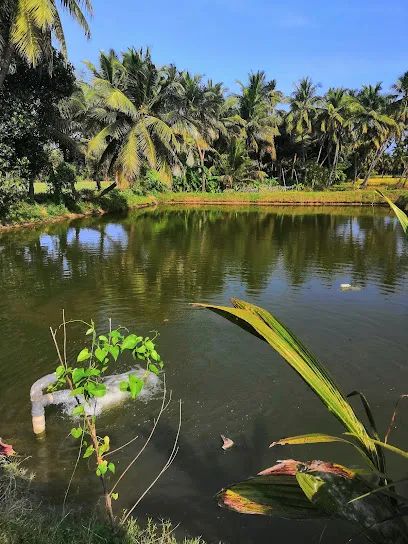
x,y
86,383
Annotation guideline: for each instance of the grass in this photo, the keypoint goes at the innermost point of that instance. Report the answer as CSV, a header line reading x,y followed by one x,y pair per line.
x,y
24,520
41,187
355,197
89,203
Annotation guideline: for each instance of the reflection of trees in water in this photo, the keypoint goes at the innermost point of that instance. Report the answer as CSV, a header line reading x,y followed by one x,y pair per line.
x,y
192,253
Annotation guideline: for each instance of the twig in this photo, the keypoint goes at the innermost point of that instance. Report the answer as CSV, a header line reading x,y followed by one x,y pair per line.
x,y
65,339
121,447
163,470
147,441
393,418
75,467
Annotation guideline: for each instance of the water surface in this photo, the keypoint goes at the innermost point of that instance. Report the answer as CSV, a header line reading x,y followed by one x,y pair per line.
x,y
143,271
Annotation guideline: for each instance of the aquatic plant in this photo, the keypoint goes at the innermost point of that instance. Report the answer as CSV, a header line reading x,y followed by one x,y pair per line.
x,y
86,378
304,490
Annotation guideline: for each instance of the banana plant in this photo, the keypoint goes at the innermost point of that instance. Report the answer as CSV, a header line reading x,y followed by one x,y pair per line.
x,y
300,490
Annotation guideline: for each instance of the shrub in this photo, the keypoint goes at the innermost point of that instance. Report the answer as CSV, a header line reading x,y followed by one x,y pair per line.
x,y
61,183
13,190
317,176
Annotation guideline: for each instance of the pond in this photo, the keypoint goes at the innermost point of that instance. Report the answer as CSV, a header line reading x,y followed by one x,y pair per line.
x,y
143,271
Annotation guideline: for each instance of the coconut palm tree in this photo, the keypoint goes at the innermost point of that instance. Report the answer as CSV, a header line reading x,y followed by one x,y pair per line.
x,y
400,87
376,122
201,107
335,112
133,119
302,113
235,166
27,28
257,108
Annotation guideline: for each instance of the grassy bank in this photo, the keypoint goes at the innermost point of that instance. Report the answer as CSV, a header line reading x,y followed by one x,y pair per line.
x,y
318,198
24,520
121,201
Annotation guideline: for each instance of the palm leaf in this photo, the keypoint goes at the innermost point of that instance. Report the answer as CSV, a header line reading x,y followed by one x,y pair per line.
x,y
402,217
303,361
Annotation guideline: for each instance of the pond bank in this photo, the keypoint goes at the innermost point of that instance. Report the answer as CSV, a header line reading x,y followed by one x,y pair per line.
x,y
27,215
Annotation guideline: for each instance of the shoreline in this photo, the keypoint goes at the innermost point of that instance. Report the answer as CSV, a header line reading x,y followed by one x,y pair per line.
x,y
307,199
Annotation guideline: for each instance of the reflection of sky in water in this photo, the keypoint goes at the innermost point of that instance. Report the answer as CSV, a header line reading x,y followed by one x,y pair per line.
x,y
351,229
51,244
91,238
110,237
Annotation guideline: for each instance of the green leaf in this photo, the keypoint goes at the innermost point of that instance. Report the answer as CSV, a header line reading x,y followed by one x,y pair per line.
x,y
149,345
78,410
77,375
153,368
97,390
124,386
89,451
103,338
386,446
59,371
83,355
115,334
155,356
317,438
115,496
333,493
111,467
103,467
90,331
263,325
114,350
76,433
100,354
77,391
402,217
92,372
130,342
135,385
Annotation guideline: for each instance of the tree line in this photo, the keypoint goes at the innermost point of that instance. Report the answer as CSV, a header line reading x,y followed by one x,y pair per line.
x,y
134,122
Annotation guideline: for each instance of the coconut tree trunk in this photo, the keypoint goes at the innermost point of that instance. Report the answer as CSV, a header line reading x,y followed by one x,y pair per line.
x,y
404,176
111,186
355,168
320,152
377,157
5,62
336,158
293,166
201,155
31,189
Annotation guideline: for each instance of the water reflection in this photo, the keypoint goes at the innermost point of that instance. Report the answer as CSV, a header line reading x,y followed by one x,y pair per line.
x,y
143,270
196,252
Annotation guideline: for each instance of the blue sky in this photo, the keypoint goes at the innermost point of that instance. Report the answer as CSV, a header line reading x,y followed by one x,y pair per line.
x,y
337,43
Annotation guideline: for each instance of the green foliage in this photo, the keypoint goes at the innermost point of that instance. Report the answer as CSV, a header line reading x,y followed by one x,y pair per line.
x,y
317,177
330,490
13,190
30,119
61,183
26,519
402,217
86,382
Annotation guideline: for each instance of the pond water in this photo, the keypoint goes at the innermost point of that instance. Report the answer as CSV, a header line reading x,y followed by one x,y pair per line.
x,y
143,271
